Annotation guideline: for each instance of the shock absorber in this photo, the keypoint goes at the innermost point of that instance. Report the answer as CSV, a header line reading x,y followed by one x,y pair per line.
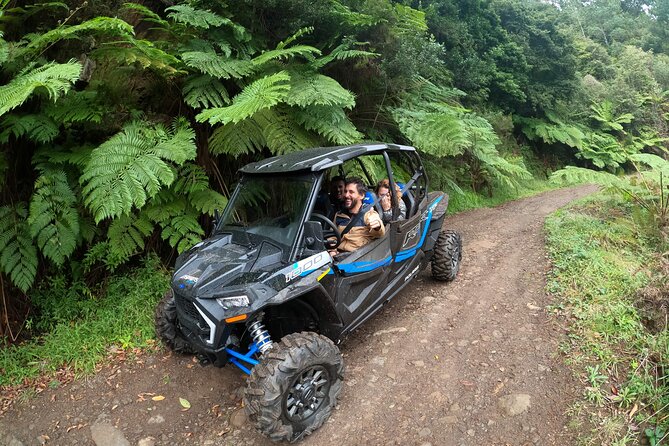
x,y
260,335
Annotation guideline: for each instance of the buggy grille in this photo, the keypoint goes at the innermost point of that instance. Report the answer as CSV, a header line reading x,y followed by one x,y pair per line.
x,y
187,308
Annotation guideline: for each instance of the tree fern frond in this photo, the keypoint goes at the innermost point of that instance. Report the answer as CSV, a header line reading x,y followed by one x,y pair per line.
x,y
237,139
285,53
580,175
299,33
76,156
655,162
182,232
352,18
53,219
141,52
164,206
342,52
4,50
207,201
38,128
330,122
309,88
55,79
409,20
103,25
176,144
76,107
125,237
204,91
200,18
149,16
550,133
190,178
130,167
18,255
217,66
261,94
440,134
282,133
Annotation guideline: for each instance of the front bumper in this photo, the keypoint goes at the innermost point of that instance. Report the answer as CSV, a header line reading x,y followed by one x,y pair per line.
x,y
203,325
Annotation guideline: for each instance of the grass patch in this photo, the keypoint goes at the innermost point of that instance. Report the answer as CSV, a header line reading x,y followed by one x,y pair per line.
x,y
468,199
81,325
604,261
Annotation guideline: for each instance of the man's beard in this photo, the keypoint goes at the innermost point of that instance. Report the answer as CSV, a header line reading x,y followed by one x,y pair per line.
x,y
352,205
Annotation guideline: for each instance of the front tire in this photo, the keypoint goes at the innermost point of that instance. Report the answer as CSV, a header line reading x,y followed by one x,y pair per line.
x,y
447,256
294,388
165,319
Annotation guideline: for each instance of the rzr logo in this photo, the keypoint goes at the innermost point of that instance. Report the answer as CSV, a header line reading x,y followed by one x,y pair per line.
x,y
412,234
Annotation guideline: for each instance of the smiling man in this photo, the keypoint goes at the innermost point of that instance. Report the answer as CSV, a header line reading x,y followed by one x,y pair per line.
x,y
367,224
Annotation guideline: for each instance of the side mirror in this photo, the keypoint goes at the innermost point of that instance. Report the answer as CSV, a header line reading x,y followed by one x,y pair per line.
x,y
215,221
313,236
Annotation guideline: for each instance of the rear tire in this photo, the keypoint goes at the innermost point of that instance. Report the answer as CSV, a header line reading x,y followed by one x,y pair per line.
x,y
447,256
294,388
166,325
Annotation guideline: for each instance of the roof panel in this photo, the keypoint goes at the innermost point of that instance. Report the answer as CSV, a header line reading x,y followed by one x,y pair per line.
x,y
318,158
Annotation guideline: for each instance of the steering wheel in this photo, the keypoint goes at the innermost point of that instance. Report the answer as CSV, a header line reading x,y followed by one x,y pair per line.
x,y
331,230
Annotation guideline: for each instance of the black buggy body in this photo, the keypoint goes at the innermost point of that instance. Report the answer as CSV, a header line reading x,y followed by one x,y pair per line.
x,y
262,292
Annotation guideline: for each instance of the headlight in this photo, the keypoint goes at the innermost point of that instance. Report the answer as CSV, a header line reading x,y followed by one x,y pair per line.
x,y
233,301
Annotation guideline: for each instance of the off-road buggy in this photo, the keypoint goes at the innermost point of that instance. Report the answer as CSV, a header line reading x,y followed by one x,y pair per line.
x,y
263,293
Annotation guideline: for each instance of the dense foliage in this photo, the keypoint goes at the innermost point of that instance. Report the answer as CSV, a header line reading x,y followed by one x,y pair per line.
x,y
122,124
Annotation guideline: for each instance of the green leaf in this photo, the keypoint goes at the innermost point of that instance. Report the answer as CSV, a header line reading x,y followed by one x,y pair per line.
x,y
216,66
53,79
18,255
261,94
205,91
308,88
53,219
38,128
131,167
126,236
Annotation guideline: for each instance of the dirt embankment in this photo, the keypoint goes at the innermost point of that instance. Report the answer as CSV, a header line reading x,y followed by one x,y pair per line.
x,y
474,362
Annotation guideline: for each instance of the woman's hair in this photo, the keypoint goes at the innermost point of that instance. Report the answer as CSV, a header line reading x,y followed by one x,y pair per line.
x,y
386,183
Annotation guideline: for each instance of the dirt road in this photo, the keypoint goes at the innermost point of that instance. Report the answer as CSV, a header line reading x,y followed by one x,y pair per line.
x,y
474,362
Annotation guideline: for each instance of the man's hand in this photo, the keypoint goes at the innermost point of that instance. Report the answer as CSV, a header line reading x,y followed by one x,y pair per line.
x,y
374,223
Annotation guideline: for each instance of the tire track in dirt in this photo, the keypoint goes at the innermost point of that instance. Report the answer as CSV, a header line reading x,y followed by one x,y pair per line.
x,y
429,369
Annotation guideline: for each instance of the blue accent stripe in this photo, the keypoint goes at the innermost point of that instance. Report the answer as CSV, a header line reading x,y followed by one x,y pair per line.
x,y
403,255
361,267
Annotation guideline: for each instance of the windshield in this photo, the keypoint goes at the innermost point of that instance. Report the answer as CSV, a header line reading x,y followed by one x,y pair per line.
x,y
267,208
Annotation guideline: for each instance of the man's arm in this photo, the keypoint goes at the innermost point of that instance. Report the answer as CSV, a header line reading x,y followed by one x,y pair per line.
x,y
374,224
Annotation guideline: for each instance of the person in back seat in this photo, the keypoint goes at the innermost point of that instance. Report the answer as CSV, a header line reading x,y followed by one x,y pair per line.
x,y
383,192
367,224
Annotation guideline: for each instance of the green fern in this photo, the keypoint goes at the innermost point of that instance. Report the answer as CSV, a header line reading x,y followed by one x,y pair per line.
x,y
340,53
183,232
52,78
99,25
237,139
148,15
603,113
264,93
552,132
125,238
286,53
141,52
4,50
38,128
216,66
309,88
282,133
352,18
76,107
132,167
329,122
197,18
75,156
440,134
203,91
409,20
18,255
193,182
53,219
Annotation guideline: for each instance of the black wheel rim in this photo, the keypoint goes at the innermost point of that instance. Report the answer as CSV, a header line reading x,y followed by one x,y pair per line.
x,y
307,393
